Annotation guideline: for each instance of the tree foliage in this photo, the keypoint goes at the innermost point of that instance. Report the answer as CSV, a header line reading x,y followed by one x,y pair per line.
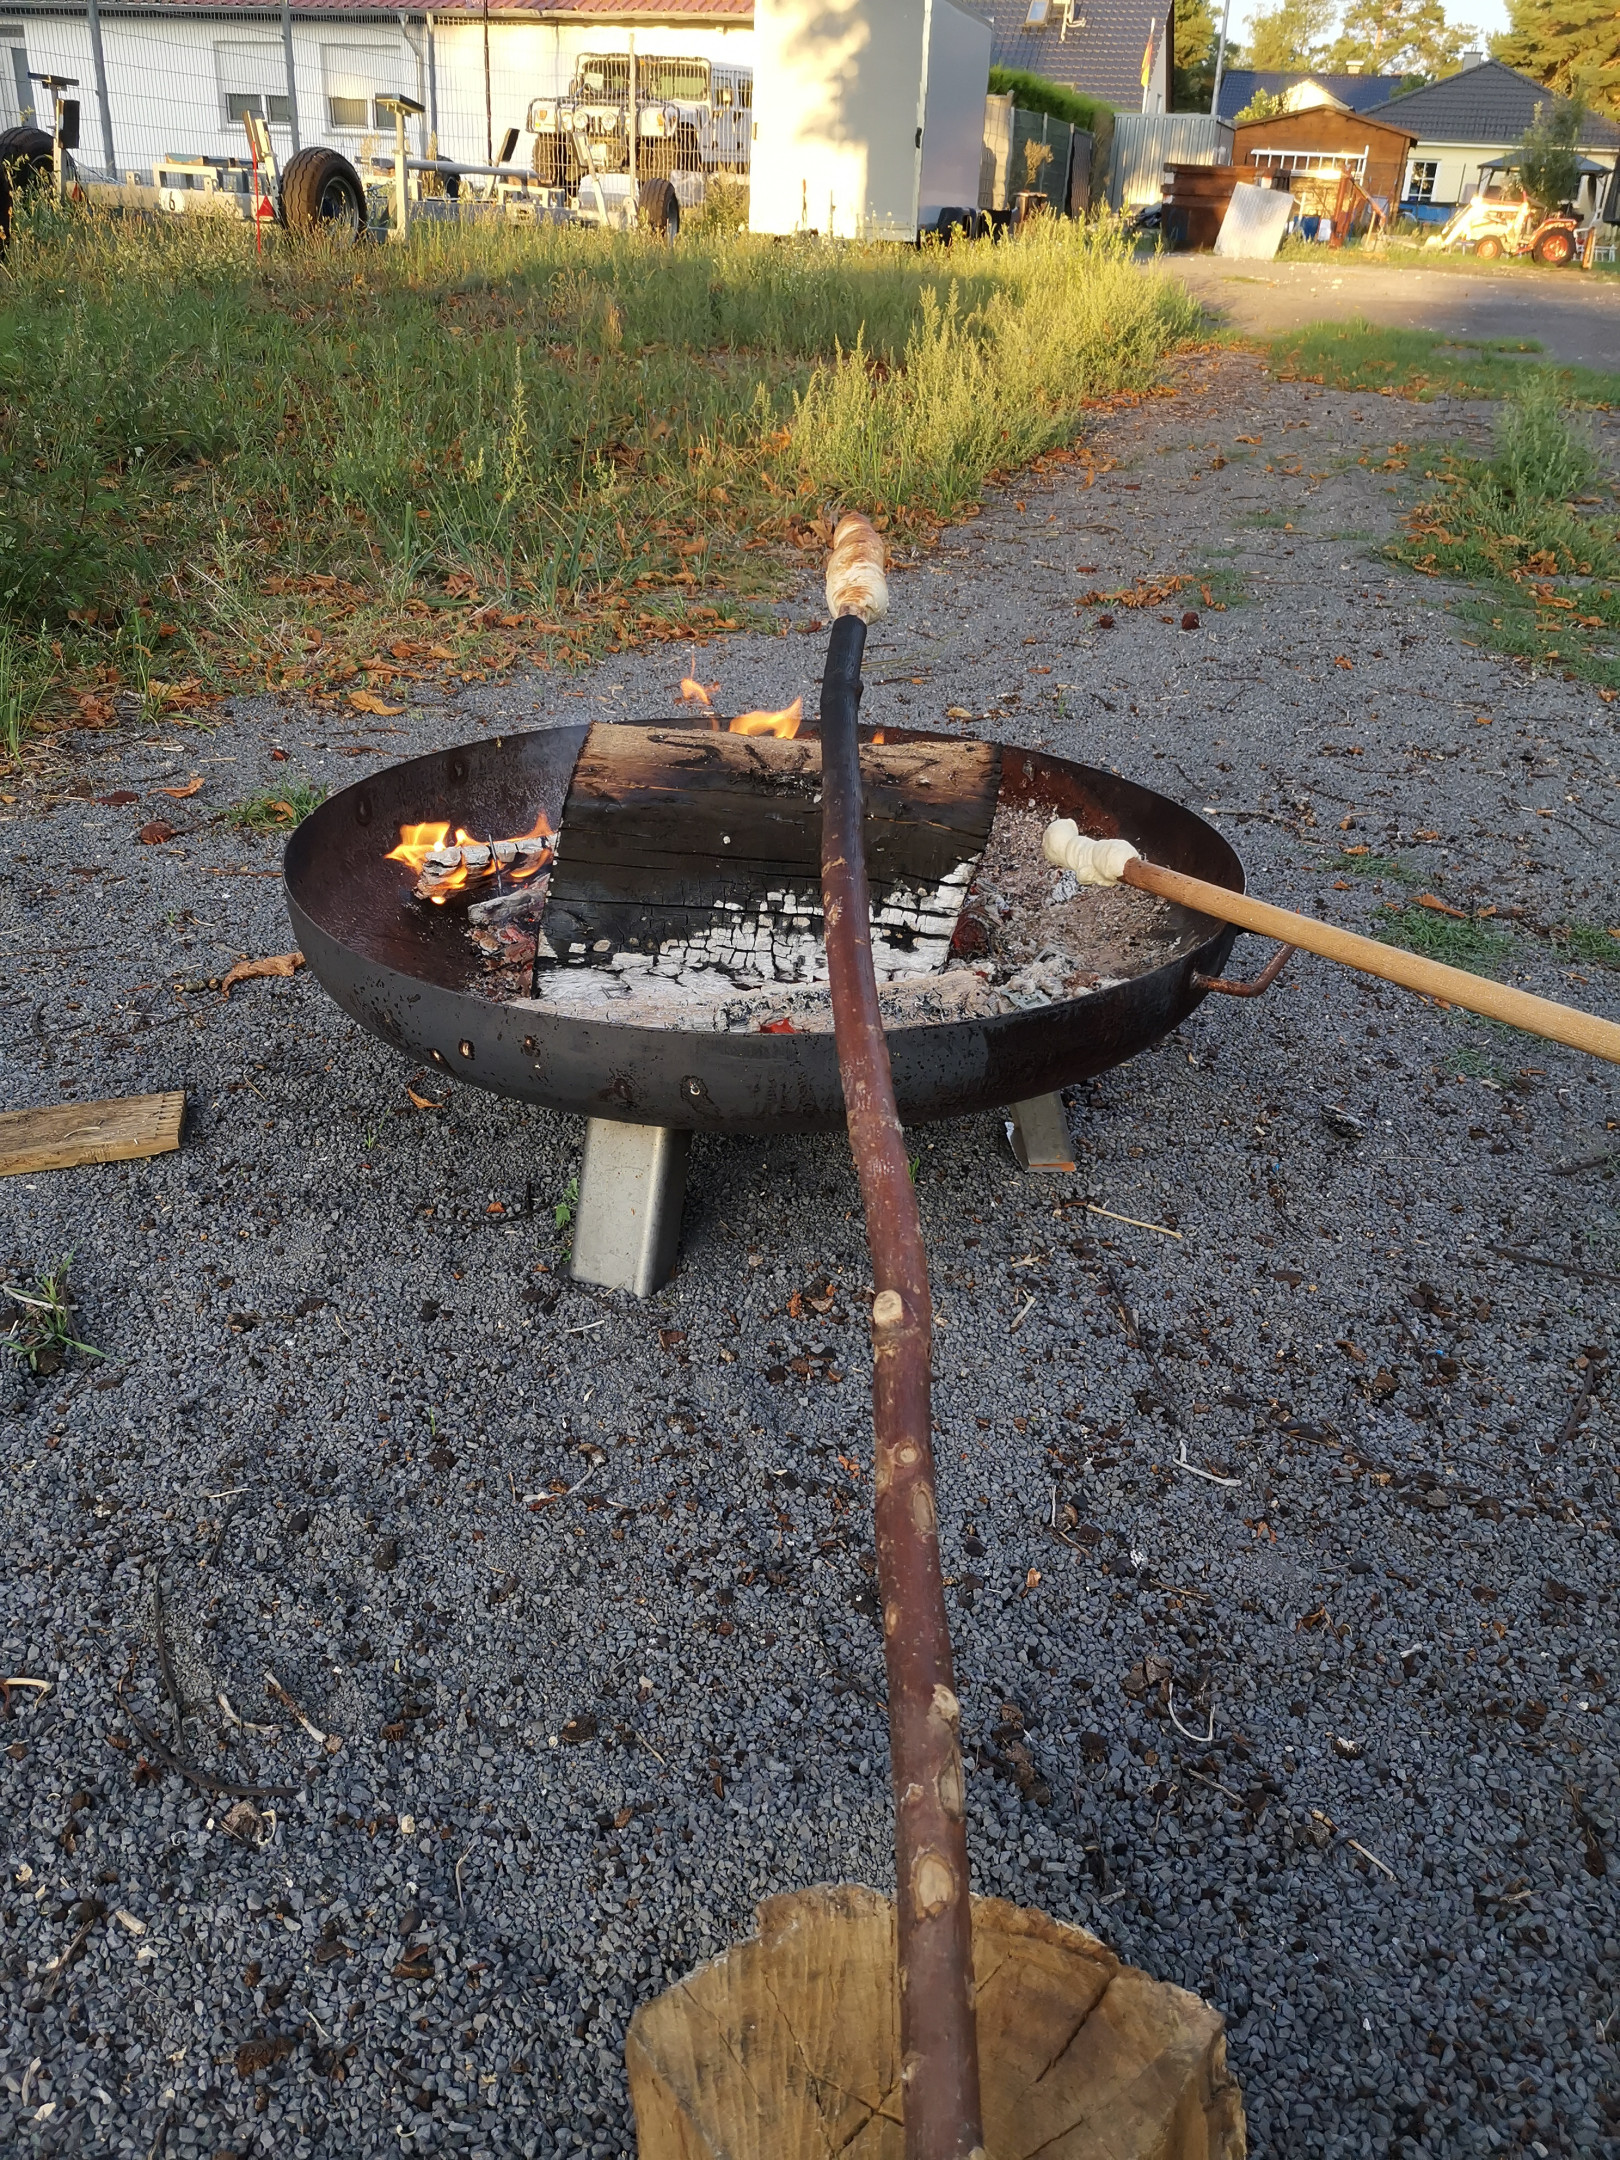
x,y
1264,105
1400,37
1197,34
1551,162
1293,34
1570,45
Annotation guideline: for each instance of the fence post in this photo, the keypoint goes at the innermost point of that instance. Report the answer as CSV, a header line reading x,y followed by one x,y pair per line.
x,y
287,62
98,62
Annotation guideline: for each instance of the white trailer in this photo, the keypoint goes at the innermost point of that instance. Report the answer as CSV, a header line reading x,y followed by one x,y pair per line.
x,y
868,117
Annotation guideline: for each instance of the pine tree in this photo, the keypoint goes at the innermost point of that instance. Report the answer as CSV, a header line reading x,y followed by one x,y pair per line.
x,y
1292,35
1400,37
1570,45
1197,31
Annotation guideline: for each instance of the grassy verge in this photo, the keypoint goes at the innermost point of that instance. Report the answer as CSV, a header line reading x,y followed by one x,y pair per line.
x,y
1358,355
334,472
1520,529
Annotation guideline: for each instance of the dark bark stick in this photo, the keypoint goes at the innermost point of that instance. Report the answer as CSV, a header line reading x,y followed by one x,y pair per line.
x,y
938,2042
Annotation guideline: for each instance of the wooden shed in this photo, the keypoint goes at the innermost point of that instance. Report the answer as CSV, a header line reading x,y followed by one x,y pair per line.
x,y
1324,143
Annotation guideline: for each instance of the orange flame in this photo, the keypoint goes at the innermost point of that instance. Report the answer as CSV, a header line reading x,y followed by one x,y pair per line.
x,y
418,843
694,693
783,725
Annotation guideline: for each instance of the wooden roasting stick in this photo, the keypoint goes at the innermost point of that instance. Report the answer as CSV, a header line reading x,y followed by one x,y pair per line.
x,y
938,2041
1112,862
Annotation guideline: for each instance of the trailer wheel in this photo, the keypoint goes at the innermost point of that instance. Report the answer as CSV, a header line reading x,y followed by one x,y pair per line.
x,y
1489,249
321,192
25,162
1554,248
658,208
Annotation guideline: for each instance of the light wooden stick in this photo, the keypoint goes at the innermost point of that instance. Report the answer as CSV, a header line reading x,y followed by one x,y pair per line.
x,y
1432,978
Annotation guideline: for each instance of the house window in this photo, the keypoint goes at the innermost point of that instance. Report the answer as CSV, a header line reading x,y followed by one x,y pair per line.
x,y
16,91
353,78
1036,18
1421,174
252,83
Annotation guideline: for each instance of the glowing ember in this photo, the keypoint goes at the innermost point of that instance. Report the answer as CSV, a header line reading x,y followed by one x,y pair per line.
x,y
695,693
444,866
783,725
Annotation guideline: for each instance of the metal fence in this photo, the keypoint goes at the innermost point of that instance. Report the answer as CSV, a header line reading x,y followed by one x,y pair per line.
x,y
171,86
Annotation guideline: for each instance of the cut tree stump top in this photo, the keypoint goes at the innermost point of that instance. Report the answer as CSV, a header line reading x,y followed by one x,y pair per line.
x,y
65,1135
787,2047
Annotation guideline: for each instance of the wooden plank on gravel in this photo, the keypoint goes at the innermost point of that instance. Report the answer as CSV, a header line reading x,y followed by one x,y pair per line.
x,y
68,1134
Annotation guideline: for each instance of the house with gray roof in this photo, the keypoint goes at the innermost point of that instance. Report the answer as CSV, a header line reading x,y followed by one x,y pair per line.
x,y
1465,122
1102,48
1360,93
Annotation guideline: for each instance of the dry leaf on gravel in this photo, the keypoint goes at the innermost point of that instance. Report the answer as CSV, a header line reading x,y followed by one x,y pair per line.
x,y
425,1102
184,794
155,834
286,963
367,701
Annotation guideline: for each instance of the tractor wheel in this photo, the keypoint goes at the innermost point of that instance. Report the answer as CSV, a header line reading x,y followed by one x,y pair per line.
x,y
1554,248
321,193
658,209
25,163
1489,249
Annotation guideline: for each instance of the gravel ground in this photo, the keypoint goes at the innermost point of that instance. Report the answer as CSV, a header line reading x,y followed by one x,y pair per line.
x,y
570,1747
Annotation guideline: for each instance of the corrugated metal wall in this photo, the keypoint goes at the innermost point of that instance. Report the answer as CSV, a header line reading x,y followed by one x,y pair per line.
x,y
1144,143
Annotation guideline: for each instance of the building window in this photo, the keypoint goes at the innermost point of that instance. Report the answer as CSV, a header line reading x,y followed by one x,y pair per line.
x,y
1421,174
353,78
252,83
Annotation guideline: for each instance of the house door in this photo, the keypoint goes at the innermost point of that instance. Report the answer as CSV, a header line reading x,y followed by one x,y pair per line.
x,y
16,91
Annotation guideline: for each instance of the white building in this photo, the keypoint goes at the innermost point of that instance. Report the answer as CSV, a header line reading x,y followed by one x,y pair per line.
x,y
180,78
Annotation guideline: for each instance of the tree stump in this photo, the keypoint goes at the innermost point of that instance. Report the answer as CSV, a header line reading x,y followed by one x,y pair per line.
x,y
786,2047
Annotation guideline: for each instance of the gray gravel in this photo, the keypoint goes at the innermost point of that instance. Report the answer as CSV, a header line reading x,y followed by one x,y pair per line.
x,y
574,1745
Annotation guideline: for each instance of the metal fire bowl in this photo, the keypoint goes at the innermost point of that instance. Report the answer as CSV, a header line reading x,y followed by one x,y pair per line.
x,y
409,975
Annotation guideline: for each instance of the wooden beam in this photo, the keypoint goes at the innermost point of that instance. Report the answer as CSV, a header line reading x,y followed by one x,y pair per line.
x,y
64,1135
710,845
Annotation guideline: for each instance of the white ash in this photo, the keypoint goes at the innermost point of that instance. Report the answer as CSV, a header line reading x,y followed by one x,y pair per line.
x,y
709,1001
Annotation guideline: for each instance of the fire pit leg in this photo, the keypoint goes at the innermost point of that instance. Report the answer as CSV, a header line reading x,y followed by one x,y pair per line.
x,y
1039,1132
632,1182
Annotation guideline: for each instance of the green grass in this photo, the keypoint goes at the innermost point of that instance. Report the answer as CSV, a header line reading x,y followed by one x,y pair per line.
x,y
1358,355
41,1334
1591,942
1376,866
1469,945
279,810
1519,528
500,445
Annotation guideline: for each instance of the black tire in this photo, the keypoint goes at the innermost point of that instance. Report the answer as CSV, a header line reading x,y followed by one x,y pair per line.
x,y
1555,248
1489,249
25,164
658,209
321,193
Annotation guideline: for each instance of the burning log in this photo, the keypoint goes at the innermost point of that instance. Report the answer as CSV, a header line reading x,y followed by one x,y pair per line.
x,y
445,867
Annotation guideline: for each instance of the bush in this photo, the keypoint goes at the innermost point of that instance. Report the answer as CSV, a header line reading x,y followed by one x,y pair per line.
x,y
1033,93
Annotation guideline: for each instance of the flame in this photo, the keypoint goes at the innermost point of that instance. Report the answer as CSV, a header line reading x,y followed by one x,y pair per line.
x,y
879,736
783,725
418,842
694,693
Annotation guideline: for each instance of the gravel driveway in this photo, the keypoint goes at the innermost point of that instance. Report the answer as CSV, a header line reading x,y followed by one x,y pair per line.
x,y
541,1760
1573,315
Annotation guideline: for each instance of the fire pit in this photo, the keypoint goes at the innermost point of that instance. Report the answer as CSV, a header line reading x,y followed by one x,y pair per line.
x,y
409,971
